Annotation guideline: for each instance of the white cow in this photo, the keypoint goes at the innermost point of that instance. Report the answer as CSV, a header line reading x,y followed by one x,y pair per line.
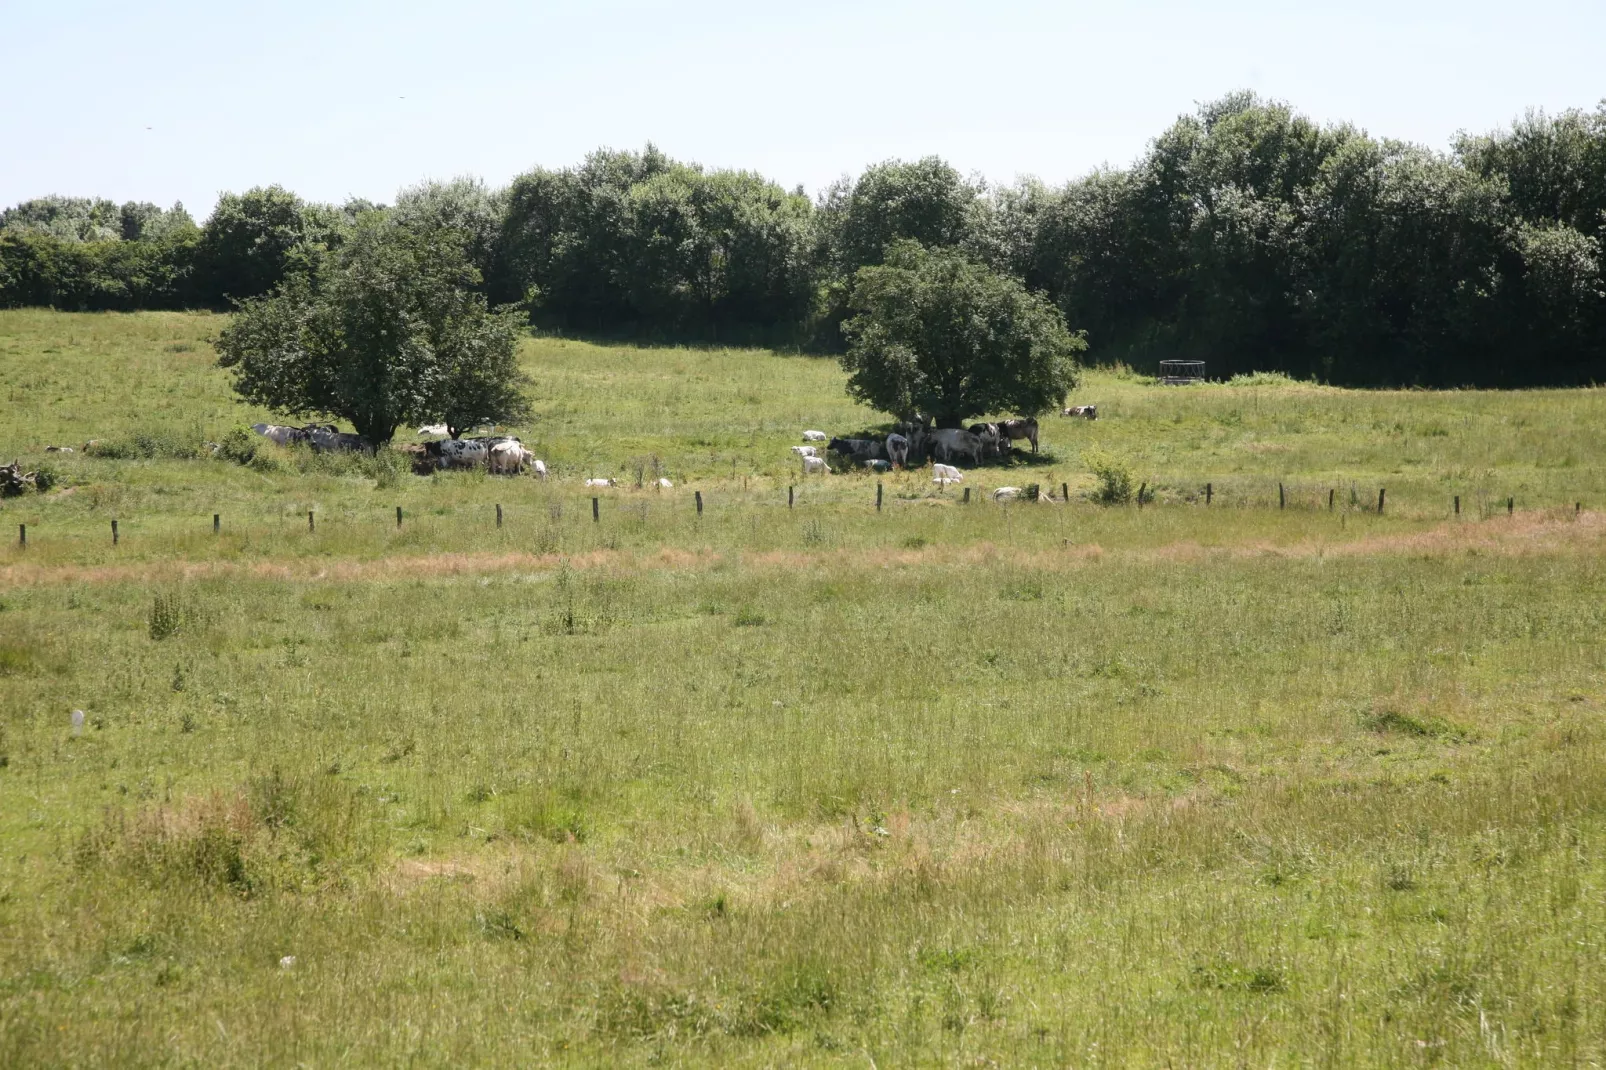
x,y
539,468
509,458
878,465
1086,412
814,436
664,484
946,473
602,482
898,449
951,442
433,429
803,451
815,464
1006,494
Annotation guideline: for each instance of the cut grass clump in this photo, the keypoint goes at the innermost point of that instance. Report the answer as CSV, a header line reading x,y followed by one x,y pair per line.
x,y
1393,722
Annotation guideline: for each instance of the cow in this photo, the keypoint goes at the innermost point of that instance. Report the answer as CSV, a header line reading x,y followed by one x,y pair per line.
x,y
1006,494
803,451
946,473
538,467
509,458
664,484
1085,412
433,429
326,439
878,465
812,465
459,453
950,442
1010,430
279,434
898,450
814,436
991,439
857,450
58,449
602,482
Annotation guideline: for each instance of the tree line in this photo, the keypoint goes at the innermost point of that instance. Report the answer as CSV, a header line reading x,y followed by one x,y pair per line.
x,y
1247,236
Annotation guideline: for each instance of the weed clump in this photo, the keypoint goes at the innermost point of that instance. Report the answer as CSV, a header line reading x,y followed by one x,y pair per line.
x,y
1114,475
1393,722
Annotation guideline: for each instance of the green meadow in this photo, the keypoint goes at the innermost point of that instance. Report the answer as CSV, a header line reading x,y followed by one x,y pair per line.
x,y
942,783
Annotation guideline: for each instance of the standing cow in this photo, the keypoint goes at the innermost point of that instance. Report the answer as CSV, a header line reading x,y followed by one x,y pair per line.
x,y
1010,430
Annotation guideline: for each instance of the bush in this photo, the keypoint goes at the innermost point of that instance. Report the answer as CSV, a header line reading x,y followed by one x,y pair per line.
x,y
240,445
1114,475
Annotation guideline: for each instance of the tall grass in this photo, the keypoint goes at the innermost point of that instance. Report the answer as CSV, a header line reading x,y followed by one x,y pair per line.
x,y
1031,784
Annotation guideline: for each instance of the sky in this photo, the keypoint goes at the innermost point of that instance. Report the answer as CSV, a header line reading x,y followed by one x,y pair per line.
x,y
181,101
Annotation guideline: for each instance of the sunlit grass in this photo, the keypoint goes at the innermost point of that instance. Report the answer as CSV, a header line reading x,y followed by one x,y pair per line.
x,y
1036,784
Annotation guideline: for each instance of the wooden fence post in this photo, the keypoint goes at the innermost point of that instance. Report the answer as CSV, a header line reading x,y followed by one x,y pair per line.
x,y
217,523
1511,506
789,498
1578,507
1282,499
1331,495
114,533
498,514
1458,505
1141,489
699,496
967,495
398,518
596,512
878,497
1065,492
1380,492
22,536
310,526
1210,492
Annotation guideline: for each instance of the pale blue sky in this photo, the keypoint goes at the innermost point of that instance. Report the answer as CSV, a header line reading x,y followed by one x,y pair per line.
x,y
177,101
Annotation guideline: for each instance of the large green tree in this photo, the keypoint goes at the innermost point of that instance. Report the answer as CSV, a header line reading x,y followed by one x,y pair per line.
x,y
937,335
387,330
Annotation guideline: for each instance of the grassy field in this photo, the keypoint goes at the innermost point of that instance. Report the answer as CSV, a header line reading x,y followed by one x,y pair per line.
x,y
947,785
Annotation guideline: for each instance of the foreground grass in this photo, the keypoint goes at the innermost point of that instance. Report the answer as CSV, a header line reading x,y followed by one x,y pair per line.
x,y
939,785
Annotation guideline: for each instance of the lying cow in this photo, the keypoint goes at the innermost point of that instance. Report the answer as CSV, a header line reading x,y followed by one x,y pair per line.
x,y
433,429
664,484
803,451
945,474
1006,494
878,465
814,436
1010,430
1086,412
326,439
602,482
858,450
280,434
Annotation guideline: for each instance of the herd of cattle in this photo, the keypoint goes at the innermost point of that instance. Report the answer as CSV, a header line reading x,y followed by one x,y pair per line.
x,y
911,445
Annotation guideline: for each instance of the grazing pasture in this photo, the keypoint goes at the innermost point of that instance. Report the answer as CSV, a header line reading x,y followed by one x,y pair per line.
x,y
943,784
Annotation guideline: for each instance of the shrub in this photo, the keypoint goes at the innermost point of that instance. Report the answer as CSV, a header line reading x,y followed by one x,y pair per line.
x,y
166,617
240,445
1114,474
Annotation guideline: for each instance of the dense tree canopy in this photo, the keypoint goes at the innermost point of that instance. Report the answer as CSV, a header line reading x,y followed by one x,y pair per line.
x,y
388,330
1247,236
937,335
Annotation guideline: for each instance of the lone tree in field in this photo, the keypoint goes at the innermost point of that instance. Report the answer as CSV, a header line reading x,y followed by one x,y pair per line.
x,y
388,330
938,335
